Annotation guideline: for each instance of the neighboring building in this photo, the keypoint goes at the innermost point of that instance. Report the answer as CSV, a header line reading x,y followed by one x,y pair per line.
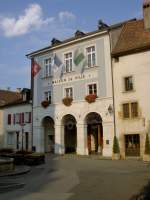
x,y
16,127
76,68
131,75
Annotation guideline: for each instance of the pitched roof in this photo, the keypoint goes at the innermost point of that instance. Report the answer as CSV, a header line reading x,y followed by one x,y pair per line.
x,y
134,38
74,38
7,97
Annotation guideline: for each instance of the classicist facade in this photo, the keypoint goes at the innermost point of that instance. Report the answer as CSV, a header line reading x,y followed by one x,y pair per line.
x,y
73,78
131,72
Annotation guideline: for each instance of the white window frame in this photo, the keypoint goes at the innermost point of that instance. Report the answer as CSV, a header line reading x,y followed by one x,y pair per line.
x,y
27,117
47,67
91,53
48,96
70,61
87,87
17,118
68,88
10,138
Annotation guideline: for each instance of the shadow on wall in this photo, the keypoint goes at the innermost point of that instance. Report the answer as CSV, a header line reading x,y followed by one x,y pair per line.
x,y
144,194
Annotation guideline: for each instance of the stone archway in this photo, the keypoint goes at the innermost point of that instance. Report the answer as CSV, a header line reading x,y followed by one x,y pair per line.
x,y
70,133
94,133
49,134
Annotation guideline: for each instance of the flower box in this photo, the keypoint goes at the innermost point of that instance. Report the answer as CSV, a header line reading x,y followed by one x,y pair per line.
x,y
45,104
67,101
91,98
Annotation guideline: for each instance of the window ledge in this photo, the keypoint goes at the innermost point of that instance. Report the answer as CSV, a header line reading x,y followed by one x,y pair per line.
x,y
132,119
65,73
47,77
93,67
130,91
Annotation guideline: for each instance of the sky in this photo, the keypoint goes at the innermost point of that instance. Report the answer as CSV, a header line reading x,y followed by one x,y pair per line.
x,y
28,25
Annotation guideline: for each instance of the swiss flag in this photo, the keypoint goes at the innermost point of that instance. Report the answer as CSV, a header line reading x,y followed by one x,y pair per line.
x,y
35,68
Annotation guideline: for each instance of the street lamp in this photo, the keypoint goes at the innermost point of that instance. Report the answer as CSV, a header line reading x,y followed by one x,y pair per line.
x,y
22,131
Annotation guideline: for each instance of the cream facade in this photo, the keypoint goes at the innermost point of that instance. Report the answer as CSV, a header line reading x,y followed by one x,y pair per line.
x,y
131,130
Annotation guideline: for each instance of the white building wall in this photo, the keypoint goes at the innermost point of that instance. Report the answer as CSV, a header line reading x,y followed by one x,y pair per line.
x,y
138,66
13,128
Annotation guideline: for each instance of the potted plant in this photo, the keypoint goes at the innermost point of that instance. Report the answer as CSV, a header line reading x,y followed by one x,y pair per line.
x,y
116,149
45,103
146,156
91,98
67,101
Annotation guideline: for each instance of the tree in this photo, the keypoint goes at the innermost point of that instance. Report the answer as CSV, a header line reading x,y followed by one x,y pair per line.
x,y
116,148
147,145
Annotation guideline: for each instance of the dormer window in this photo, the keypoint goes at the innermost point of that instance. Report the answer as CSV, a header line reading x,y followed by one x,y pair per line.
x,y
24,96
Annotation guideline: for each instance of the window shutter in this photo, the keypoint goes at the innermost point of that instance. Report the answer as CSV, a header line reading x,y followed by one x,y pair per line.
x,y
29,117
14,118
22,118
9,119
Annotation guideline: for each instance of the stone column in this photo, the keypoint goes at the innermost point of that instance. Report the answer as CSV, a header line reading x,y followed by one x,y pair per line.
x,y
38,138
59,139
82,148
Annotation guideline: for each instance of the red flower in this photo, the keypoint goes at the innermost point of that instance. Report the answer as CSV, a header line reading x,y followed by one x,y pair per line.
x,y
45,103
91,98
67,101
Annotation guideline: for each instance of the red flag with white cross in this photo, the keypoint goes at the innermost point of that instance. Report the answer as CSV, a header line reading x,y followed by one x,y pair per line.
x,y
35,68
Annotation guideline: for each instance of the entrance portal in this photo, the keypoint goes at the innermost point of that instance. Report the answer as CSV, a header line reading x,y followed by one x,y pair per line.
x,y
70,134
94,133
49,134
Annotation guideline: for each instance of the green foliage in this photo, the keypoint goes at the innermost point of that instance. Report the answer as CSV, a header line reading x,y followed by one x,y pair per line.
x,y
147,145
116,148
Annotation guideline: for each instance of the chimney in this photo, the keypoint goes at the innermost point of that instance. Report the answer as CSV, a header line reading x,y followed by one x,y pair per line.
x,y
146,13
18,90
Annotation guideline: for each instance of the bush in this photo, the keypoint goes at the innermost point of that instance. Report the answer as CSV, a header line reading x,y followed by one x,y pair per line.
x,y
67,101
147,145
116,148
91,98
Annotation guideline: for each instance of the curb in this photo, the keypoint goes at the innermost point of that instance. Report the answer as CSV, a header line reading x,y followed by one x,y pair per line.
x,y
17,172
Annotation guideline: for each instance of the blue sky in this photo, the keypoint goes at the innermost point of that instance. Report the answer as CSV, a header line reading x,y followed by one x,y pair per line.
x,y
28,25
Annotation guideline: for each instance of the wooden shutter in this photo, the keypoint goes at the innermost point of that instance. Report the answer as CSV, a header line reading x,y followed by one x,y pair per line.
x,y
22,117
30,117
20,114
14,119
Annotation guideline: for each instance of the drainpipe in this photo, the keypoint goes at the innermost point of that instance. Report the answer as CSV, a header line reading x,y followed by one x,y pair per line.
x,y
112,78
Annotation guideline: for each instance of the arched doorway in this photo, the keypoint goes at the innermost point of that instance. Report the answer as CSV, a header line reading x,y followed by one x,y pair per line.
x,y
94,133
70,133
49,134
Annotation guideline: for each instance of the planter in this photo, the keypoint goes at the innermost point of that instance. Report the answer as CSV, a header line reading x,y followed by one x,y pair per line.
x,y
67,101
91,98
146,157
116,156
45,104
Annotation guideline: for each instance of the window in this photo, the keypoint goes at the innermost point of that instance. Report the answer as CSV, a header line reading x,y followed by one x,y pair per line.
x,y
10,138
48,96
69,92
47,67
128,83
68,62
130,110
9,119
91,56
92,89
27,117
18,118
